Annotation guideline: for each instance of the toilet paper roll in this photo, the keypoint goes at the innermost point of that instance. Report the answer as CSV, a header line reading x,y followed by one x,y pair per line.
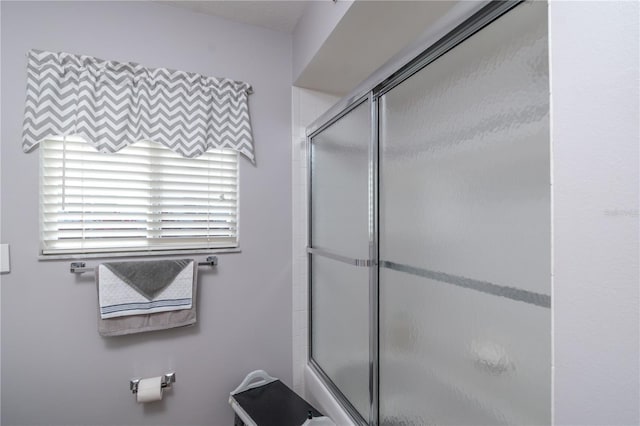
x,y
150,389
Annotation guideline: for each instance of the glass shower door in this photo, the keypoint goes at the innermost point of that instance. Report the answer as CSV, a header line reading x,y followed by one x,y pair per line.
x,y
340,233
465,322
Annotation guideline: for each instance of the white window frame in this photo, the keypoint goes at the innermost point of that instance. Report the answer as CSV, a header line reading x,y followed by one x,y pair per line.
x,y
50,248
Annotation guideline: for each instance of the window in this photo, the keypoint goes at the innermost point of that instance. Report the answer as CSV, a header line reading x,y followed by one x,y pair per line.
x,y
142,198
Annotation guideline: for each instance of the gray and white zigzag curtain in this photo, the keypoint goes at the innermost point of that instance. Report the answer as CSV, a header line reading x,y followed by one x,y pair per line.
x,y
114,104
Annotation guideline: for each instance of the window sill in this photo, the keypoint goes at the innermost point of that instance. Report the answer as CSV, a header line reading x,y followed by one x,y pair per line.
x,y
80,256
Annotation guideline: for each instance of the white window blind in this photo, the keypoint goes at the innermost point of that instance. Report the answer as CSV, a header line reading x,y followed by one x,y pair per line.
x,y
142,198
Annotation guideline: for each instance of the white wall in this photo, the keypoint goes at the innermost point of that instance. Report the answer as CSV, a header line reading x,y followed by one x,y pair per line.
x,y
307,105
316,24
56,369
595,138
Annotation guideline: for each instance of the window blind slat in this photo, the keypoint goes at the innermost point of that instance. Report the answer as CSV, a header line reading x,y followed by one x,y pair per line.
x,y
125,200
131,233
124,174
52,228
71,165
139,148
155,194
102,246
135,217
140,163
138,184
54,208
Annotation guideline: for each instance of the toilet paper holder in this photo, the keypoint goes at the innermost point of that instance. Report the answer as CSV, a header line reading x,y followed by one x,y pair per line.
x,y
165,383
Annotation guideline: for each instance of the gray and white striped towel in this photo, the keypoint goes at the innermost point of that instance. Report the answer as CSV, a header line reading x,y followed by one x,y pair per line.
x,y
117,298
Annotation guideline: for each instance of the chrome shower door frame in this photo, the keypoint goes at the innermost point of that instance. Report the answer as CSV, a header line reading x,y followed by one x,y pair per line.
x,y
371,90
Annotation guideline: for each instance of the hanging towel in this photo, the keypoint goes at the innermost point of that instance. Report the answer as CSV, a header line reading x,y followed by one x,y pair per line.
x,y
148,278
138,288
131,324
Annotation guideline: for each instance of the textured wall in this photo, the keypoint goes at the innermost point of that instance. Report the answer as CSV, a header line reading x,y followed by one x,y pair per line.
x,y
56,370
595,104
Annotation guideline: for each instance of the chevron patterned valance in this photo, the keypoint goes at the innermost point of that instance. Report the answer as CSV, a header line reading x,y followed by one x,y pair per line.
x,y
114,104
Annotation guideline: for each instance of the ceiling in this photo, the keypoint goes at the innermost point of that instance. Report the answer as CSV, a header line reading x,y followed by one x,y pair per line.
x,y
364,39
376,30
275,15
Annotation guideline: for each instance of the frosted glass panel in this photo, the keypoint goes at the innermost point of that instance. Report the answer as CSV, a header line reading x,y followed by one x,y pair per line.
x,y
465,201
340,321
340,182
451,356
465,164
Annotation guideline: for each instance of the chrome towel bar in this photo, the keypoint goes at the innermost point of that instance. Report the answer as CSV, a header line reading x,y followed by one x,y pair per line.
x,y
81,267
